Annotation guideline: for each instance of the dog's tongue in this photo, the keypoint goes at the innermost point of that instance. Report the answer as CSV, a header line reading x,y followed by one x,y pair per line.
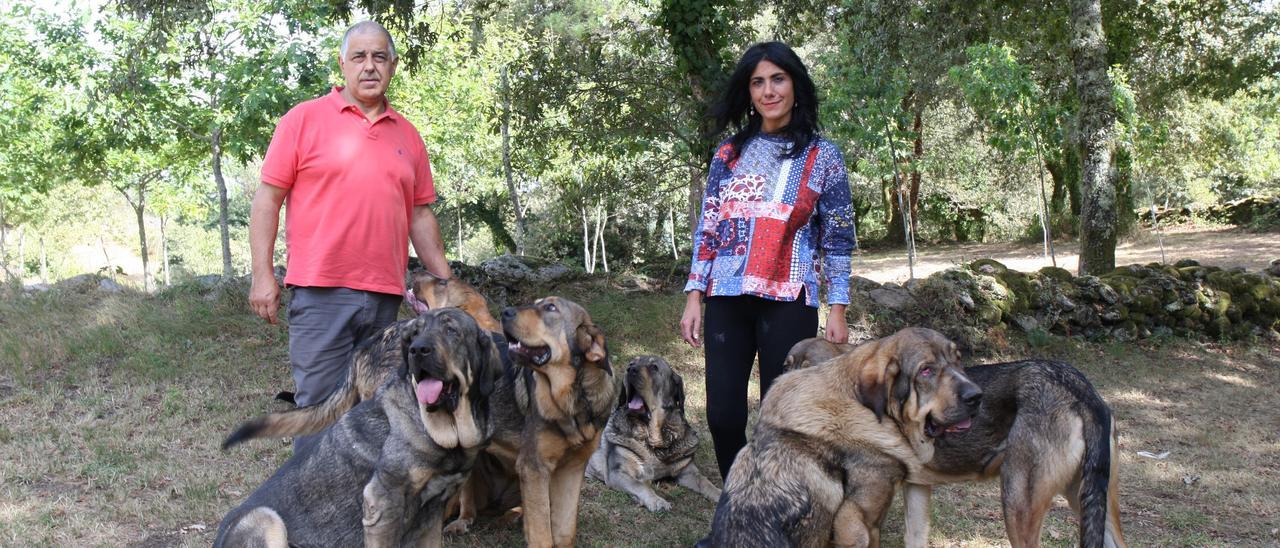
x,y
960,426
429,390
635,404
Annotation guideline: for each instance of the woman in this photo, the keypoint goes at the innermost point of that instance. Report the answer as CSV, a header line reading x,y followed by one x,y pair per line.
x,y
777,196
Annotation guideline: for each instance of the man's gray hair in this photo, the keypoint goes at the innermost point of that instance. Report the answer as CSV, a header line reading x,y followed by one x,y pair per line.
x,y
365,27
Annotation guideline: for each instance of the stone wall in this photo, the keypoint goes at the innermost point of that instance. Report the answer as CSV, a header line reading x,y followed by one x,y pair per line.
x,y
976,301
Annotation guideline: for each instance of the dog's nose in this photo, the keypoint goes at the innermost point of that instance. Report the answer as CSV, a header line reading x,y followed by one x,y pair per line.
x,y
419,349
972,397
508,313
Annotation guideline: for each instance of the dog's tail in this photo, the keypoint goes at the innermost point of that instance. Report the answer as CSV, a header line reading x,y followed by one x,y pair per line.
x,y
302,420
1097,478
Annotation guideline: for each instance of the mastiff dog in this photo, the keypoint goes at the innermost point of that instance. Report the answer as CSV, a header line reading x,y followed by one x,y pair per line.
x,y
647,438
1043,430
380,475
833,442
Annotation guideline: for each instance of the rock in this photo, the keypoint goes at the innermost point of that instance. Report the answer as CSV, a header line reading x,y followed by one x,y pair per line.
x,y
509,270
1274,268
863,285
893,298
37,288
1185,263
1107,294
1026,323
1064,303
989,267
109,286
966,300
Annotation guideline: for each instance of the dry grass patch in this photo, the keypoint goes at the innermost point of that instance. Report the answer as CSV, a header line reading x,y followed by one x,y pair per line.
x,y
115,406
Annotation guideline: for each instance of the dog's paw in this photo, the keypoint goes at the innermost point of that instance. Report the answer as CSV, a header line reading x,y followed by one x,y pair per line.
x,y
457,527
657,504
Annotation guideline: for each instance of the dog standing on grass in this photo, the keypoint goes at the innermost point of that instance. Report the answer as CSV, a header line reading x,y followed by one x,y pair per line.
x,y
1042,429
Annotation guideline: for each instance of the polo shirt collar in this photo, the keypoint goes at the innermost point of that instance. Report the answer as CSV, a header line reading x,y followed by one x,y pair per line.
x,y
335,99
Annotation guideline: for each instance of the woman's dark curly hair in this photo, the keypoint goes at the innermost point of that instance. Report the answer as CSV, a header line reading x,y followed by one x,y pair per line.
x,y
734,104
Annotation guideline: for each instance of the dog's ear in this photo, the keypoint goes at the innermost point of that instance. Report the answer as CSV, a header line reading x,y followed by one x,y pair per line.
x,y
590,341
407,333
486,369
679,390
879,369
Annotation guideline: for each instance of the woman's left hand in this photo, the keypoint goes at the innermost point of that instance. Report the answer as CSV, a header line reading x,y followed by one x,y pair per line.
x,y
837,330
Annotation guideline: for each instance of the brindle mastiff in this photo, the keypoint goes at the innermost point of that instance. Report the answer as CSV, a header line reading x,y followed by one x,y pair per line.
x,y
549,417
647,438
833,442
380,475
372,363
1043,430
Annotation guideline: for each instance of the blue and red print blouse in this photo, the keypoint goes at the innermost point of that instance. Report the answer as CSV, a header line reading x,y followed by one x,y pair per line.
x,y
766,218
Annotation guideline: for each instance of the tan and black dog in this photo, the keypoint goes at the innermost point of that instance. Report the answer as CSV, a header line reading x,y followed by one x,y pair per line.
x,y
380,475
1043,430
438,292
648,439
833,442
549,417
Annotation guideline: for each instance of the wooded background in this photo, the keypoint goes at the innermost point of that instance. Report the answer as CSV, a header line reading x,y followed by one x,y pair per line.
x,y
131,131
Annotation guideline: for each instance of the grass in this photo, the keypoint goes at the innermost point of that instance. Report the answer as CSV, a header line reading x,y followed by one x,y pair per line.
x,y
115,405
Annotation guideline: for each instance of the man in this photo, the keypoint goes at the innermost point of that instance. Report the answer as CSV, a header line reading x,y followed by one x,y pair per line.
x,y
358,182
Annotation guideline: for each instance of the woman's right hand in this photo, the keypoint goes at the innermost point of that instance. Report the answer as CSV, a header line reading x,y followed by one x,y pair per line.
x,y
691,321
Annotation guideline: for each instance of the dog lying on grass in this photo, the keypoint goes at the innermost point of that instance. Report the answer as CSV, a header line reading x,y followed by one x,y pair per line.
x,y
647,438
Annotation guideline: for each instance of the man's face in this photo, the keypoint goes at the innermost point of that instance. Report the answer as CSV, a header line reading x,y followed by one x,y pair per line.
x,y
367,66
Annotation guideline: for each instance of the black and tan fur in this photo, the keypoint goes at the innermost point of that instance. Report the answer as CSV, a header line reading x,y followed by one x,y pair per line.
x,y
372,363
381,474
648,439
549,416
1044,431
833,442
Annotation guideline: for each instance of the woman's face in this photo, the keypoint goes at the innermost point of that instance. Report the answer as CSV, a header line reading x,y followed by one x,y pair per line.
x,y
772,95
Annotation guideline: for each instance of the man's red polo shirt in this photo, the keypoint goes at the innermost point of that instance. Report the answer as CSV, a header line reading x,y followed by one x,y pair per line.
x,y
352,187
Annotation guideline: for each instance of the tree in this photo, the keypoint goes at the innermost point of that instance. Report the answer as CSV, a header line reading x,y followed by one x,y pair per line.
x,y
230,69
1096,129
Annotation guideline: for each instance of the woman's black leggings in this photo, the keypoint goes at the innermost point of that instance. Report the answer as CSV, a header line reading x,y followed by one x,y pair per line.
x,y
735,330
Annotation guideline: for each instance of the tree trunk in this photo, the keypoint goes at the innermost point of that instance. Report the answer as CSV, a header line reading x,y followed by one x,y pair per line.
x,y
22,254
506,163
697,187
917,155
142,243
602,216
164,251
1096,128
4,236
44,263
216,139
671,220
139,207
111,268
587,261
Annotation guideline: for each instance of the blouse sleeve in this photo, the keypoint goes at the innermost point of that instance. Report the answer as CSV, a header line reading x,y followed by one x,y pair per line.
x,y
705,237
837,234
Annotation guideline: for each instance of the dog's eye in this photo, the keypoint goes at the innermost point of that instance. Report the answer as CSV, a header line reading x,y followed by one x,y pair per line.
x,y
926,372
451,330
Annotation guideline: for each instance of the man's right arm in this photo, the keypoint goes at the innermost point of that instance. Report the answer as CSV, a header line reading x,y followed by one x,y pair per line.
x,y
264,224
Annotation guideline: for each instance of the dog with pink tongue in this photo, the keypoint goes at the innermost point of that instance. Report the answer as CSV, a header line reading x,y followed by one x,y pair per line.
x,y
648,439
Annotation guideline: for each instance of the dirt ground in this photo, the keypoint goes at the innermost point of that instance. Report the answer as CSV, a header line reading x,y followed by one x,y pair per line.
x,y
1224,247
